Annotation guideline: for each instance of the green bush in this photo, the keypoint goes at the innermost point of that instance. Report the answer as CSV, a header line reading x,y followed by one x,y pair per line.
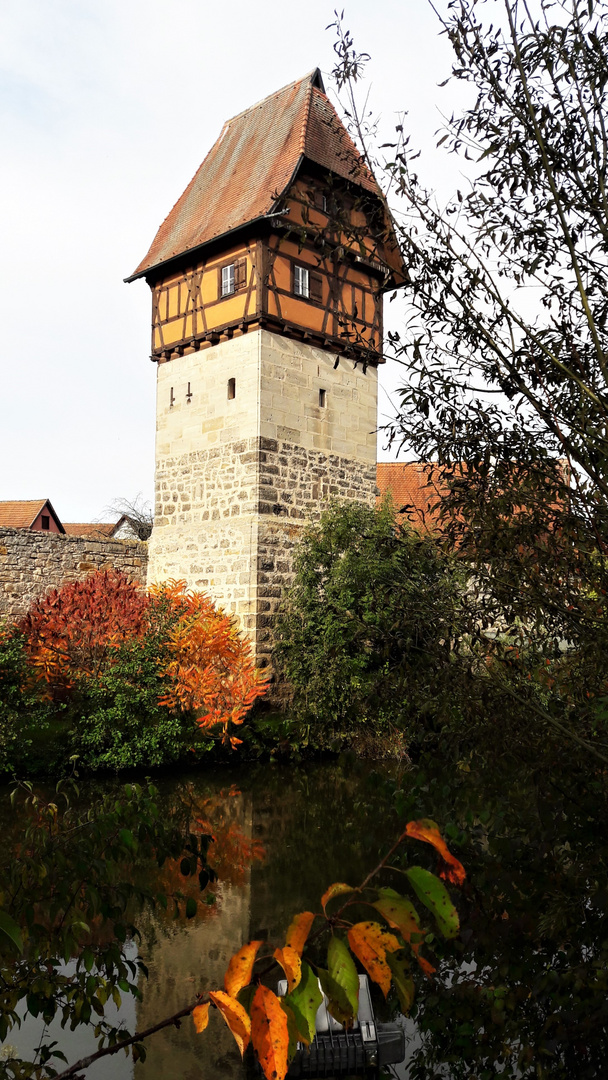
x,y
23,712
101,671
365,633
117,721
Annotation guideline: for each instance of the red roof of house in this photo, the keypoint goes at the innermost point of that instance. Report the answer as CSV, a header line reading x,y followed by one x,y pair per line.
x,y
22,513
414,487
102,529
253,164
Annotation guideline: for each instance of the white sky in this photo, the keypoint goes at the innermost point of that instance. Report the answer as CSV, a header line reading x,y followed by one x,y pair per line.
x,y
106,110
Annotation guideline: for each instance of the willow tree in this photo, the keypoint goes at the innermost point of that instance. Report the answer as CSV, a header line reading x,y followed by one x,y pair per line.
x,y
505,350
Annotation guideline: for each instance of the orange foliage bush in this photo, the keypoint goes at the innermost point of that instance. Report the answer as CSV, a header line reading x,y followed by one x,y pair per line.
x,y
202,664
211,670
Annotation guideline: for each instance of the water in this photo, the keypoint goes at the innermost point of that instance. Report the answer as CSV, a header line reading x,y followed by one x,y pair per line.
x,y
283,834
527,981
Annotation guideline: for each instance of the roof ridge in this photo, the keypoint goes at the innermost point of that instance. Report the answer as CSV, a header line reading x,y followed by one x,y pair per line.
x,y
311,75
305,119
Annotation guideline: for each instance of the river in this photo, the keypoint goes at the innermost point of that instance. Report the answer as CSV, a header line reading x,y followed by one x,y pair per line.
x,y
525,986
282,835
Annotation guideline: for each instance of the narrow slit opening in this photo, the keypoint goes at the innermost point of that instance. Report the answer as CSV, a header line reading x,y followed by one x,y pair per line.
x,y
231,389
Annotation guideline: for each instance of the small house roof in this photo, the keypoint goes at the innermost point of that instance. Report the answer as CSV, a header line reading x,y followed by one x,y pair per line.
x,y
101,529
253,164
22,513
415,487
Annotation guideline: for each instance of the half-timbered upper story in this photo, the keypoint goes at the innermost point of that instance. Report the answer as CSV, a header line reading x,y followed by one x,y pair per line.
x,y
282,227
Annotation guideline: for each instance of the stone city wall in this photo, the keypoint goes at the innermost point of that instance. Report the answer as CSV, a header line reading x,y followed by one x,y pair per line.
x,y
31,563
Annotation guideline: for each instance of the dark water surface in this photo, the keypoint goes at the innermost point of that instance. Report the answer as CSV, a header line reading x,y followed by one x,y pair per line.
x,y
283,834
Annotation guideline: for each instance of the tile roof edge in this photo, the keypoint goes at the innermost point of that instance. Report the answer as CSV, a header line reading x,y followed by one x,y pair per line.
x,y
305,119
198,247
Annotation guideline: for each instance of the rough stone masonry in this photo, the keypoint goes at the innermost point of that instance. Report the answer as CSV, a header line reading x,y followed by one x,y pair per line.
x,y
31,563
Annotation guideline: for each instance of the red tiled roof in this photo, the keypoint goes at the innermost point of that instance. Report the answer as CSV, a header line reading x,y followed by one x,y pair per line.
x,y
415,487
22,513
252,165
103,529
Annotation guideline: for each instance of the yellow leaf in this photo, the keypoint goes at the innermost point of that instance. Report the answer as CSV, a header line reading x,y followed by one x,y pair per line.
x,y
370,943
269,1033
299,931
334,890
291,964
240,968
235,1016
200,1015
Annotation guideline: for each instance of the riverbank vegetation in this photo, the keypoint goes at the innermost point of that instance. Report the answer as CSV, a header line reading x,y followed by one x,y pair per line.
x,y
366,633
117,678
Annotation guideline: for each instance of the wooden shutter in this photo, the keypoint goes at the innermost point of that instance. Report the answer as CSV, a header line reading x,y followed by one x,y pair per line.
x,y
240,274
316,287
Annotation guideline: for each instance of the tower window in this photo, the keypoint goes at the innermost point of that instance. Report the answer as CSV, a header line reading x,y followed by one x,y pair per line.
x,y
233,277
301,281
45,521
322,398
228,280
231,389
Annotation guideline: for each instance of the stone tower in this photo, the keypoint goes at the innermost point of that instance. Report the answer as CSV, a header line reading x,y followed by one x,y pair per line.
x,y
267,279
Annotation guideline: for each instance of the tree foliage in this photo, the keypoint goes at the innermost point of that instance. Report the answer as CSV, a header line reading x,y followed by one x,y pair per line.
x,y
68,905
505,345
366,631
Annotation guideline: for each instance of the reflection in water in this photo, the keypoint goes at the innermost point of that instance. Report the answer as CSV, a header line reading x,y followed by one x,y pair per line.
x,y
185,958
282,834
314,826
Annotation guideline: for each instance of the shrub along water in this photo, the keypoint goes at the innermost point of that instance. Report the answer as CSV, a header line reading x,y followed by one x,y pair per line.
x,y
366,633
121,678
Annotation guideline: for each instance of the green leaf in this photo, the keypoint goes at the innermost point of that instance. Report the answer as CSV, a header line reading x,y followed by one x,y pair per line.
x,y
434,895
399,912
191,908
304,1002
245,997
10,929
337,1001
342,970
340,982
401,980
293,1032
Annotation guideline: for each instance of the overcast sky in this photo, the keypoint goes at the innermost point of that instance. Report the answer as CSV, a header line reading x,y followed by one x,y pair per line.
x,y
107,109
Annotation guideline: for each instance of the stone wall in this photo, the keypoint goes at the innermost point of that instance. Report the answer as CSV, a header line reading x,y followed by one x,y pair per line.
x,y
31,563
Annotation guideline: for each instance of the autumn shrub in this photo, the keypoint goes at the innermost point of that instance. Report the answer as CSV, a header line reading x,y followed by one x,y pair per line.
x,y
366,631
142,678
74,633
